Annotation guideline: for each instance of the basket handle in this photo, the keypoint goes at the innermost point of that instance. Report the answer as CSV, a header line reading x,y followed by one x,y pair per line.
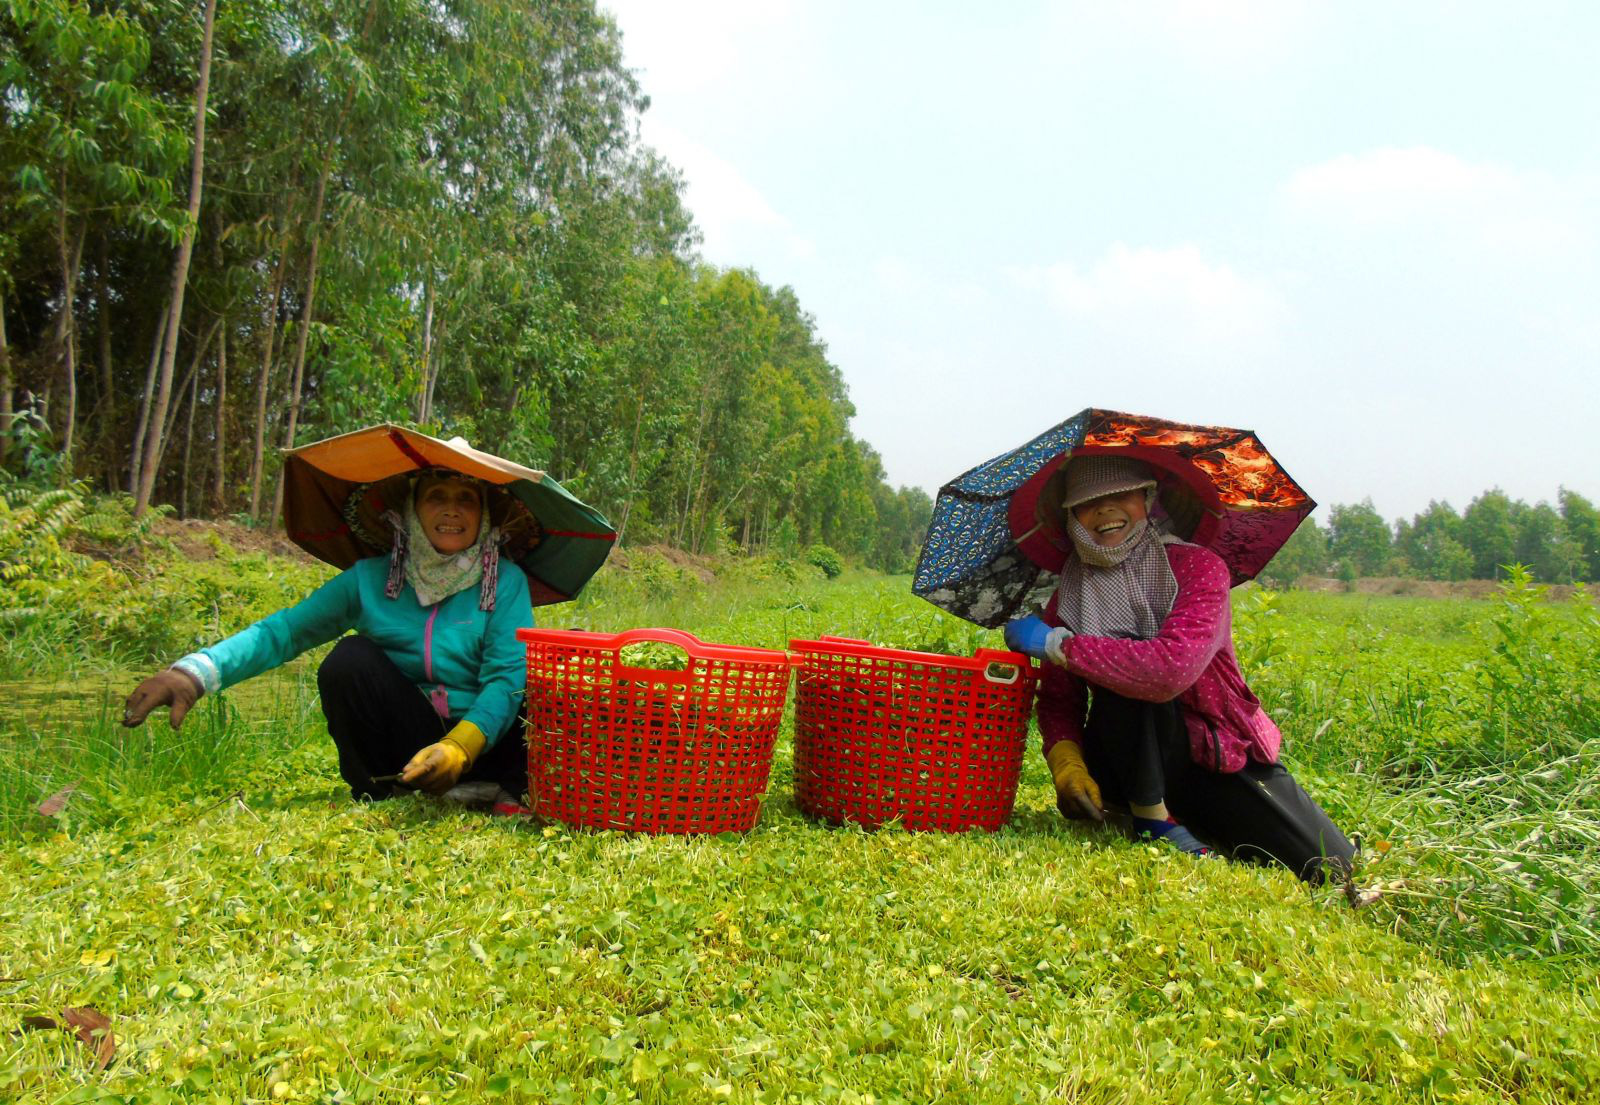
x,y
686,641
829,639
661,635
998,661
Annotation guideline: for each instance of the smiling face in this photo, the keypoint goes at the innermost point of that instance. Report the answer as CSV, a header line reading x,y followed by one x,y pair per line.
x,y
450,511
1111,518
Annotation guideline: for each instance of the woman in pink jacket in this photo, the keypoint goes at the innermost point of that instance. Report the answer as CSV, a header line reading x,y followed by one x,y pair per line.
x,y
1142,702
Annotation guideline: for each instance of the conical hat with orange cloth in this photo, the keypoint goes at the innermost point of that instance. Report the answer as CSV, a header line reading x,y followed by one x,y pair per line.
x,y
998,534
337,490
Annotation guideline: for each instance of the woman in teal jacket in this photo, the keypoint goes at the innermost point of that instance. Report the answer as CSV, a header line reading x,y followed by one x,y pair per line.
x,y
429,688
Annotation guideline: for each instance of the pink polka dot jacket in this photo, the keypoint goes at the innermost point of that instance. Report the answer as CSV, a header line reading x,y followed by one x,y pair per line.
x,y
1190,659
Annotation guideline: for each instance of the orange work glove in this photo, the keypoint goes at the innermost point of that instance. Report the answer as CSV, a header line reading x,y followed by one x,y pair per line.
x,y
439,766
173,687
1077,794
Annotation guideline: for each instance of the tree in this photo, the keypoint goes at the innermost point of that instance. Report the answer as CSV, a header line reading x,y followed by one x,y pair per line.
x,y
404,210
6,415
86,139
155,440
902,523
1543,545
1358,538
1431,544
1582,523
1448,559
1489,532
1304,554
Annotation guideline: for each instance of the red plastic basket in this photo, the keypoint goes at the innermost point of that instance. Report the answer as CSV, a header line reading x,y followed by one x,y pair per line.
x,y
617,747
935,741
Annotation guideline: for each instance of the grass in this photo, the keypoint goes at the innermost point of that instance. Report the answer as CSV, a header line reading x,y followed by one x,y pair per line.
x,y
255,936
296,947
64,733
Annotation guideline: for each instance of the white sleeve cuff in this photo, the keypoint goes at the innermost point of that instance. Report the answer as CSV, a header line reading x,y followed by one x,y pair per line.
x,y
204,670
1058,637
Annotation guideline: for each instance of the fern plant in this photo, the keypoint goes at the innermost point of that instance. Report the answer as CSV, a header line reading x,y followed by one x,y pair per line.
x,y
35,527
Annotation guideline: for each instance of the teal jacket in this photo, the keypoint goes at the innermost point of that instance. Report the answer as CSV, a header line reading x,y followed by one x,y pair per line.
x,y
473,654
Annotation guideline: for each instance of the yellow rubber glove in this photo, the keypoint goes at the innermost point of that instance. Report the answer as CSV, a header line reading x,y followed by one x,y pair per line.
x,y
1077,794
439,766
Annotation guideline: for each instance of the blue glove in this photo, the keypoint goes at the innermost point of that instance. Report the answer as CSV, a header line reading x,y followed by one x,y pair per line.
x,y
1029,636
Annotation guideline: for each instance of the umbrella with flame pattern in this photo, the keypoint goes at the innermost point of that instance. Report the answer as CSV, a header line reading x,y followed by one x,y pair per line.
x,y
998,536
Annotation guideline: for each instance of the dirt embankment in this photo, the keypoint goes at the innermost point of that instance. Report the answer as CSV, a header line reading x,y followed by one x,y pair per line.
x,y
622,559
1420,588
193,538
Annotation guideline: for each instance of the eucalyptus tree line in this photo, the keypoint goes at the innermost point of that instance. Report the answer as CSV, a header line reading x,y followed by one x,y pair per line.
x,y
249,225
1558,544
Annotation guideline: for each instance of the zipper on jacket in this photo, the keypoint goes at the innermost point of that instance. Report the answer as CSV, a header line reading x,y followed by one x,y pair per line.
x,y
438,697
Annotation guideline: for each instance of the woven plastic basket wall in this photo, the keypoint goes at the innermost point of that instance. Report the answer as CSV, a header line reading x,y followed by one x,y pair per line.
x,y
936,741
650,749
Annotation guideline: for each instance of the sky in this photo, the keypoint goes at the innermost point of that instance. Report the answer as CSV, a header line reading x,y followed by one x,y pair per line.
x,y
1368,231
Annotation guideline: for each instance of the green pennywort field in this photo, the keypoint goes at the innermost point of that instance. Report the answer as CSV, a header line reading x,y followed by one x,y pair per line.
x,y
253,936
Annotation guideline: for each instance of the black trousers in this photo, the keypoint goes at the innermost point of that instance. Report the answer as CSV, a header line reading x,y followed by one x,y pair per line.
x,y
379,719
1139,752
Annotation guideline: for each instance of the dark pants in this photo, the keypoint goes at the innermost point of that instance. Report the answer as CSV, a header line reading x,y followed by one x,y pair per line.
x,y
379,719
1139,752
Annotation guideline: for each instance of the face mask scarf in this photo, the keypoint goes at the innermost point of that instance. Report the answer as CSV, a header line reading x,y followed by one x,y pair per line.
x,y
1123,591
434,575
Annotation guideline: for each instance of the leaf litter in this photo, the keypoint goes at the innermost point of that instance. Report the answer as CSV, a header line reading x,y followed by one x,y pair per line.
x,y
53,805
85,1022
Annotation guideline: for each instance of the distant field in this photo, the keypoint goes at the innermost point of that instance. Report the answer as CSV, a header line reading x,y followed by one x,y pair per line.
x,y
255,936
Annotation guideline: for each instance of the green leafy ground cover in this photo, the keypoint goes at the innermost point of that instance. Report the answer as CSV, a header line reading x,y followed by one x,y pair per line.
x,y
255,936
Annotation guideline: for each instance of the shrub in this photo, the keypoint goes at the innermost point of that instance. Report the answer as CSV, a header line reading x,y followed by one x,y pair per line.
x,y
1539,681
659,577
826,559
1259,635
769,569
786,539
135,600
